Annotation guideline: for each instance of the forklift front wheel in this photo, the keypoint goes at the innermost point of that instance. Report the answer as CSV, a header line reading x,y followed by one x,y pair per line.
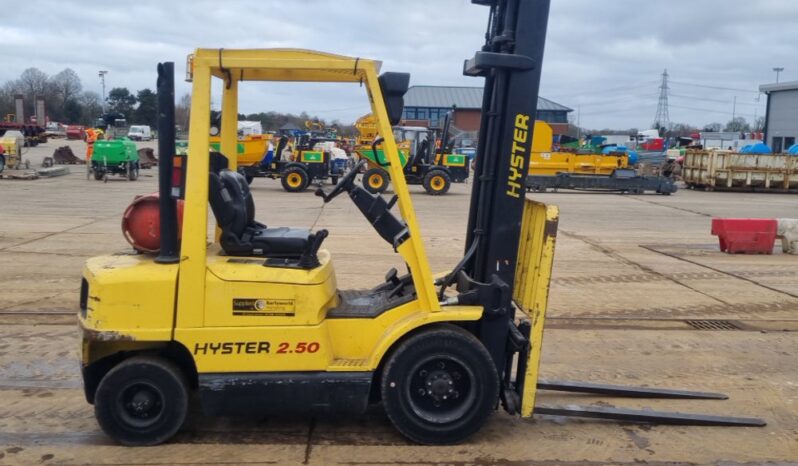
x,y
99,175
142,401
295,179
437,182
439,386
375,180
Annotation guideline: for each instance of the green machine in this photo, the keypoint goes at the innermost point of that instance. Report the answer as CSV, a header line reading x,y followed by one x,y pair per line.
x,y
426,159
115,157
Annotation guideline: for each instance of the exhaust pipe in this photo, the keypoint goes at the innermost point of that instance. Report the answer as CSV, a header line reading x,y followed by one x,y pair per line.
x,y
166,151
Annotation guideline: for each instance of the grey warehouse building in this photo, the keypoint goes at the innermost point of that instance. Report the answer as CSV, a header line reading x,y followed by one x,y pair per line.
x,y
781,120
427,106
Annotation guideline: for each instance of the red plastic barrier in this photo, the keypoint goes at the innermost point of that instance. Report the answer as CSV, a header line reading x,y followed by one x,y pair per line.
x,y
745,235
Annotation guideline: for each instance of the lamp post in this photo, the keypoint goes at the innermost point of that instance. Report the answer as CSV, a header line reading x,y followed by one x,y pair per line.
x,y
778,71
102,74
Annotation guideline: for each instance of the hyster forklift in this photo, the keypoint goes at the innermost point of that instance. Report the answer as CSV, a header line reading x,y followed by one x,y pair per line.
x,y
254,321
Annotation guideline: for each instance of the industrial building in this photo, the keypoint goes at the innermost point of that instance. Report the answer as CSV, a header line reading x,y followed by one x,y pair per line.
x,y
427,106
781,120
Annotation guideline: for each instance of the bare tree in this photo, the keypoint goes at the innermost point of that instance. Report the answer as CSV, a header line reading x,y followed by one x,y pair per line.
x,y
183,111
66,86
7,92
33,83
737,124
713,127
682,129
759,124
92,107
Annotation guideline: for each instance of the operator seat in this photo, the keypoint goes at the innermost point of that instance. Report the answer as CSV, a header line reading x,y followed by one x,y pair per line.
x,y
234,209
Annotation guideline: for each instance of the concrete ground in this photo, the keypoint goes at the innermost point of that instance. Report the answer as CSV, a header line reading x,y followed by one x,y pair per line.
x,y
632,276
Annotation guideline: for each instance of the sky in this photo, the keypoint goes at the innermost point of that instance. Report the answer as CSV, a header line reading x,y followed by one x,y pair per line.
x,y
604,58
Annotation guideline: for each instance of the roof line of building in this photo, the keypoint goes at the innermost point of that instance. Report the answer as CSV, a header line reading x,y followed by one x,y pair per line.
x,y
775,87
466,97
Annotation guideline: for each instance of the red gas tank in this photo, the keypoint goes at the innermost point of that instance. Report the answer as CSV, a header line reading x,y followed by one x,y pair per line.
x,y
141,224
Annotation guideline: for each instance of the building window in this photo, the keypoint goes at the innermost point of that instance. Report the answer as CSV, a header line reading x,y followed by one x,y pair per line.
x,y
777,145
788,142
550,116
434,117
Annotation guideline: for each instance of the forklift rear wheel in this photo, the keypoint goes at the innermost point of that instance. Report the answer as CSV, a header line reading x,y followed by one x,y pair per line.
x,y
295,180
133,172
375,180
437,182
439,386
99,175
142,401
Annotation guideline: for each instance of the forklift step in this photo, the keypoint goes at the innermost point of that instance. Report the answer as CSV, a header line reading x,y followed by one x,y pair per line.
x,y
626,391
648,416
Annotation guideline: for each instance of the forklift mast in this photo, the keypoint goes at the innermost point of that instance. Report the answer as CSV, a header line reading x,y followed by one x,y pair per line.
x,y
445,130
510,61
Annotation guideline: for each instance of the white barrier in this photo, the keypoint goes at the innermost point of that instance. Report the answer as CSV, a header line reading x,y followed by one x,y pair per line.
x,y
788,232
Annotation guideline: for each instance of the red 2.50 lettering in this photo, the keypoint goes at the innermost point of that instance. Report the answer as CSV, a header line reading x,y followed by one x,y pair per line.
x,y
299,347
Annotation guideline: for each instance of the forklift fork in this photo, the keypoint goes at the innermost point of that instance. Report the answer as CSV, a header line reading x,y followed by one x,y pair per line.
x,y
639,415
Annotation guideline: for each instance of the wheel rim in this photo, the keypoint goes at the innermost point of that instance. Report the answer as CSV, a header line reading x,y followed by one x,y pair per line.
x,y
294,180
140,404
437,182
375,181
440,389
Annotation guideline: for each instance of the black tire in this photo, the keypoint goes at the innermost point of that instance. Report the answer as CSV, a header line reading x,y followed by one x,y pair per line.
x,y
159,389
133,171
437,182
2,163
249,179
376,180
294,179
99,174
334,180
459,376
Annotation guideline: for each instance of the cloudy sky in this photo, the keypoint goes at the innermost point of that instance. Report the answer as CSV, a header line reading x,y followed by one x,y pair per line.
x,y
604,58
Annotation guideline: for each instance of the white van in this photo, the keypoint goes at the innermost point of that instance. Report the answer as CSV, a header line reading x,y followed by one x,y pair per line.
x,y
139,133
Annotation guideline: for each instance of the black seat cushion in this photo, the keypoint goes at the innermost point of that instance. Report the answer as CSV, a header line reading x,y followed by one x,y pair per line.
x,y
281,240
234,209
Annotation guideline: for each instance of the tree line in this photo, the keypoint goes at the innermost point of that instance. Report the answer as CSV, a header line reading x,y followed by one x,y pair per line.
x,y
735,125
273,121
67,102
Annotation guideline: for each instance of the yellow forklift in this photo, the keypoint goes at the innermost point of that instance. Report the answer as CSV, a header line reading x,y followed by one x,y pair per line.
x,y
253,320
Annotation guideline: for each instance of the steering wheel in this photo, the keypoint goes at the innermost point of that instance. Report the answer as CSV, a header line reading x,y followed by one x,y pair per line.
x,y
345,184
